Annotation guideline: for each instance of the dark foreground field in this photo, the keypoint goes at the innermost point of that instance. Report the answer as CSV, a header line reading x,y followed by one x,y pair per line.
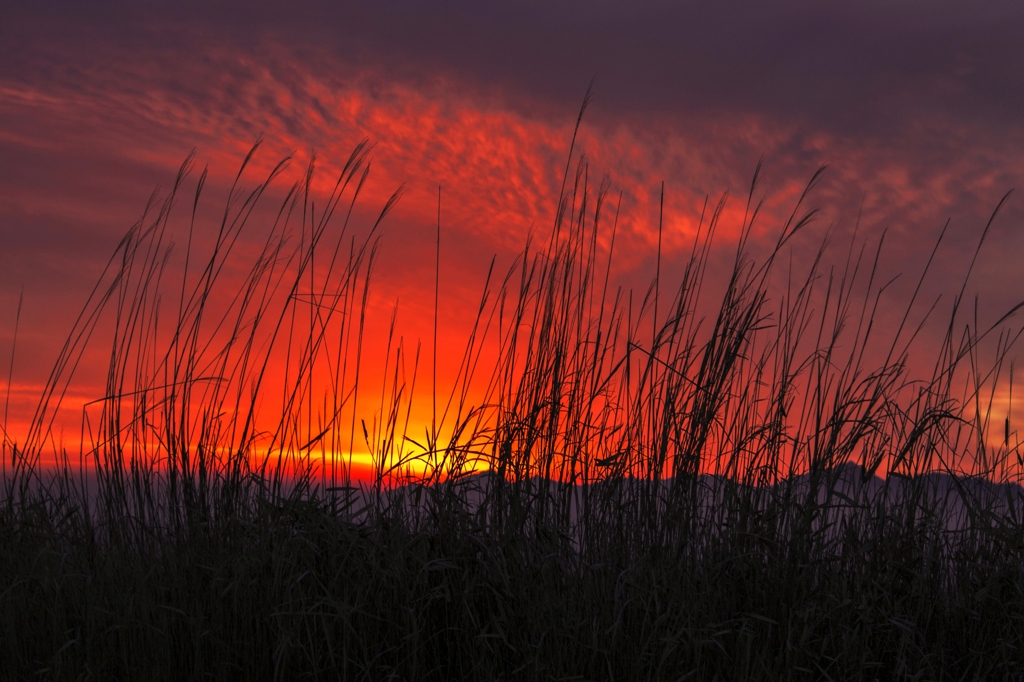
x,y
700,578
676,487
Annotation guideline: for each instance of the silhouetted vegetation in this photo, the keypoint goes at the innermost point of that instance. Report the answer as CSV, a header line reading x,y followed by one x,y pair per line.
x,y
645,490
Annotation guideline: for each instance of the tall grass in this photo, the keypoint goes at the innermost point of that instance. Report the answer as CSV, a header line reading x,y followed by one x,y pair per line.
x,y
661,484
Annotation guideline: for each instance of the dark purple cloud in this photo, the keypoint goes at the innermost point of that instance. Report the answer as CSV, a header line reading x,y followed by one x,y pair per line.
x,y
855,67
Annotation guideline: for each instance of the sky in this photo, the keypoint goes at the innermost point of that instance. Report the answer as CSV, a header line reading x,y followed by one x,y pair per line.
x,y
914,106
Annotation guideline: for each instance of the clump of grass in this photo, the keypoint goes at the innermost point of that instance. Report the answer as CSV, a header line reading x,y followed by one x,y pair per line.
x,y
645,491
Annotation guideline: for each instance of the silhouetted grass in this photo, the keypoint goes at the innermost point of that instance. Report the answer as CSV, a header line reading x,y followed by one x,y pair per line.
x,y
645,490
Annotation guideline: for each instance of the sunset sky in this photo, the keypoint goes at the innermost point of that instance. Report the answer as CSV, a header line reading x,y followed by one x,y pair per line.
x,y
916,107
